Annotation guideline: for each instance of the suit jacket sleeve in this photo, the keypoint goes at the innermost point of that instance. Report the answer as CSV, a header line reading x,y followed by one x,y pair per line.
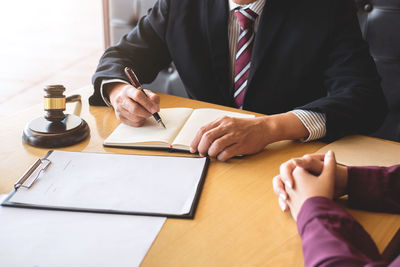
x,y
332,237
355,102
374,188
143,49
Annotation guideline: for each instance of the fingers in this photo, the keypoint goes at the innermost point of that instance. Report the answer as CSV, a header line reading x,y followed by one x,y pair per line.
x,y
286,170
279,187
128,119
279,190
329,170
228,137
229,152
307,184
148,101
153,97
130,107
214,141
283,204
197,139
133,106
131,113
315,156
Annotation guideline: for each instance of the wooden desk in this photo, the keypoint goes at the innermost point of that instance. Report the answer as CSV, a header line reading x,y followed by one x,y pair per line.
x,y
238,221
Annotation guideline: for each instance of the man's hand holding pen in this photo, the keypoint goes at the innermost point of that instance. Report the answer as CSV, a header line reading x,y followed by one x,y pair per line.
x,y
131,103
132,106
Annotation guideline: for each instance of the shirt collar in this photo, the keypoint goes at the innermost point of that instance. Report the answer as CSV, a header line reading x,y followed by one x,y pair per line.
x,y
256,6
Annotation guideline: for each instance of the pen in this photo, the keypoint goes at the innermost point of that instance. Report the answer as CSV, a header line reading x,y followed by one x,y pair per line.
x,y
135,82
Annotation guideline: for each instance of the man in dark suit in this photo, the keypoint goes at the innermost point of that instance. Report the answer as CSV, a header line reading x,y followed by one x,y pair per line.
x,y
302,62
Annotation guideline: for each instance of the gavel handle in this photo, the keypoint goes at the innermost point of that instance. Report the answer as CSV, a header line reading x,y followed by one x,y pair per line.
x,y
73,98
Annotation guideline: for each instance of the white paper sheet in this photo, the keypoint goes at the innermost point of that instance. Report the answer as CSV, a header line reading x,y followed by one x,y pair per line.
x,y
132,183
32,237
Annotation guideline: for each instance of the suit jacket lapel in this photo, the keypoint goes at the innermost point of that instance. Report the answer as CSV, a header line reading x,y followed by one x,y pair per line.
x,y
271,20
217,15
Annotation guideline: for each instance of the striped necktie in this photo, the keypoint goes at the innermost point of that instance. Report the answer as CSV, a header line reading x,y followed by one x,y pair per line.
x,y
246,18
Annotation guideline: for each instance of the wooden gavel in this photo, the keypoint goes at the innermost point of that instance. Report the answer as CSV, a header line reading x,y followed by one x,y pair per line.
x,y
56,129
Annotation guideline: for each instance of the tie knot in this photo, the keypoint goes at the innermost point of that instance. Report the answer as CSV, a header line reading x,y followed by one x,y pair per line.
x,y
245,17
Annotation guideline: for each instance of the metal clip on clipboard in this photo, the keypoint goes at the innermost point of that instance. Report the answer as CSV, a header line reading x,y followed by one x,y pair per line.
x,y
32,174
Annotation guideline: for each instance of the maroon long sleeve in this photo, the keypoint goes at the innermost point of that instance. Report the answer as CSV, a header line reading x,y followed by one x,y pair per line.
x,y
374,188
332,237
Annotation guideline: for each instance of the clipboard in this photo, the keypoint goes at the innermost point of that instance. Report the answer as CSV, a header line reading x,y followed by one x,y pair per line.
x,y
167,186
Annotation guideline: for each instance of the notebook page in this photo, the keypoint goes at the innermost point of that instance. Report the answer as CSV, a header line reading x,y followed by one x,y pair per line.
x,y
151,131
199,118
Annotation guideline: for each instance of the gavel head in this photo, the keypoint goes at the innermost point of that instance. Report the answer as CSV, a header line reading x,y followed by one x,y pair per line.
x,y
54,103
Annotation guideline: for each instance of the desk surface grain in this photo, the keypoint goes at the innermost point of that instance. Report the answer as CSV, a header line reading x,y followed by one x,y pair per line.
x,y
238,221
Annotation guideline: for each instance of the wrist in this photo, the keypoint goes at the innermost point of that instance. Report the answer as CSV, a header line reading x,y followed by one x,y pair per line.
x,y
111,90
285,126
269,129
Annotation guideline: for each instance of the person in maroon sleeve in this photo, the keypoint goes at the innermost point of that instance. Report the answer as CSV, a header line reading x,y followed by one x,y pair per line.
x,y
330,236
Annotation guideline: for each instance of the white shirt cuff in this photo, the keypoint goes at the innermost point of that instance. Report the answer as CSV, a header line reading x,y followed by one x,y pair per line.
x,y
103,95
315,123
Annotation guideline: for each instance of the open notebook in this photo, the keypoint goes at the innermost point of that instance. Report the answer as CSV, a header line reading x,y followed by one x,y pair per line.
x,y
182,124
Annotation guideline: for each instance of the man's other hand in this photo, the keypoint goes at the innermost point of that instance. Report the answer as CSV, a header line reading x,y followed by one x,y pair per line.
x,y
228,137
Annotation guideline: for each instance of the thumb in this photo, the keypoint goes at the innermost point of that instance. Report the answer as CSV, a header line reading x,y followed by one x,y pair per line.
x,y
329,169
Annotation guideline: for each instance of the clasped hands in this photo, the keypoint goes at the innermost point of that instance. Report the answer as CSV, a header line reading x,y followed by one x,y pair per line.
x,y
306,177
223,139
